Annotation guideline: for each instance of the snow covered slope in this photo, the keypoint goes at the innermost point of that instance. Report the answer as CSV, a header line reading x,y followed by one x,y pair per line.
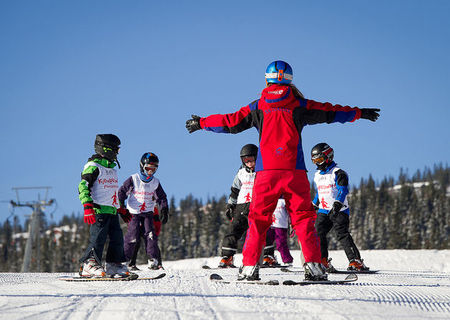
x,y
411,285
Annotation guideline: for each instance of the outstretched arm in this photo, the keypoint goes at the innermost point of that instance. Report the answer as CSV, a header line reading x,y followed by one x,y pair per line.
x,y
312,112
223,123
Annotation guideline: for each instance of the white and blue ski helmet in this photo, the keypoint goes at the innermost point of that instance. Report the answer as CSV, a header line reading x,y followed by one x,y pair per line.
x,y
279,72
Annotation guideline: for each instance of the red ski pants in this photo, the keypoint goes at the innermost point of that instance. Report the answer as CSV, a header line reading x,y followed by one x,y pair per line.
x,y
269,185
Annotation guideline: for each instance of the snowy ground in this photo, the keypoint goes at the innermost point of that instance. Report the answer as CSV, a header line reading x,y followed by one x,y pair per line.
x,y
411,285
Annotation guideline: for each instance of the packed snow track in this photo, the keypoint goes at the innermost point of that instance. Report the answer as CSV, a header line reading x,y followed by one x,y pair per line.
x,y
187,293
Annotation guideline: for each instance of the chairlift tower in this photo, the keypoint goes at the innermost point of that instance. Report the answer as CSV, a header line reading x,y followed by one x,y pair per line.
x,y
34,227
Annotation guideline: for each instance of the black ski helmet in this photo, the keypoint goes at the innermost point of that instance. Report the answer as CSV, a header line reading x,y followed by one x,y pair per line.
x,y
249,150
148,158
322,155
107,146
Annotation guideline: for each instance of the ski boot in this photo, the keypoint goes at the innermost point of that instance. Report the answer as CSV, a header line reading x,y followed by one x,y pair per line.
x,y
133,267
154,264
117,268
226,262
249,273
270,262
314,271
92,269
357,265
326,263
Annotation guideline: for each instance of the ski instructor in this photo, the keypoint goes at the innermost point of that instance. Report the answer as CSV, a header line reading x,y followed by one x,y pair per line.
x,y
279,116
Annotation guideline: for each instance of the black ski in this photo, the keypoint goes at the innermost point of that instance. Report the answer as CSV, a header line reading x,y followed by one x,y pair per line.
x,y
218,278
350,278
292,270
206,267
355,271
131,277
159,276
333,272
272,267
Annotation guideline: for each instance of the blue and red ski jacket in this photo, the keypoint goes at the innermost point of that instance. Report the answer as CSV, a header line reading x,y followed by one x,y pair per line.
x,y
279,116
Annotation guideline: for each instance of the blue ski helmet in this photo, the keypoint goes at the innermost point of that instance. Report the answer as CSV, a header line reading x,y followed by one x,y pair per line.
x,y
149,159
279,72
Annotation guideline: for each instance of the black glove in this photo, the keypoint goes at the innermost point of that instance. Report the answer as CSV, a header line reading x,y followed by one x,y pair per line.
x,y
193,124
230,211
337,206
370,114
164,215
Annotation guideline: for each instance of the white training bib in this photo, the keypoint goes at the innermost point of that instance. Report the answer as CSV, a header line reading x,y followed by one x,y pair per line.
x,y
143,196
326,188
104,190
247,181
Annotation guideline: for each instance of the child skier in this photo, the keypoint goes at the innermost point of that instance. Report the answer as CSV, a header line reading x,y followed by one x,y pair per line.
x,y
98,194
143,192
239,204
279,116
277,233
331,201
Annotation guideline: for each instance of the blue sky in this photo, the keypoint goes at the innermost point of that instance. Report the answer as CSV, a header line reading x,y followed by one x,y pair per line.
x,y
139,69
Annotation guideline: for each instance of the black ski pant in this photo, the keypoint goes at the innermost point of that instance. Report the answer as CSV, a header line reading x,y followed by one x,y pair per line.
x,y
239,226
340,222
106,225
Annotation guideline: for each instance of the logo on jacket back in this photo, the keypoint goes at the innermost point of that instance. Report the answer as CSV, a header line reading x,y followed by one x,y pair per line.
x,y
279,92
270,110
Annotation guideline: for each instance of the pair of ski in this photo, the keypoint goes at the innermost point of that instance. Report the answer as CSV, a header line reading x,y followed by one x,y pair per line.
x,y
218,278
334,272
131,277
233,267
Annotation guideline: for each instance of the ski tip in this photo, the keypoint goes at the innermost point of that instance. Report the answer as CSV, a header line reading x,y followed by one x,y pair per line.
x,y
206,267
159,276
215,276
352,277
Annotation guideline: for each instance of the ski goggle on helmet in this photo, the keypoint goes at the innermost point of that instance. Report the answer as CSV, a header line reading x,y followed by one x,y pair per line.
x,y
322,153
149,163
279,72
